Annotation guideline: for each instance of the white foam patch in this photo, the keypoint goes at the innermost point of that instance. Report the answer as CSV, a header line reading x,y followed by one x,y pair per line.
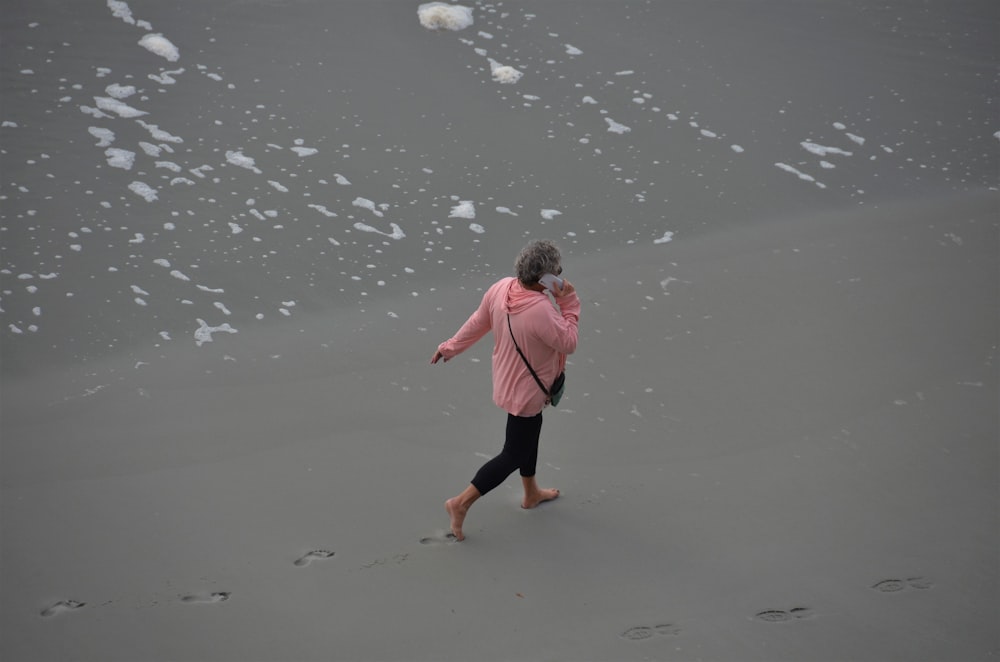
x,y
615,127
278,186
506,210
341,180
323,210
143,190
168,165
477,228
304,151
120,158
118,107
104,136
503,73
549,214
159,134
179,275
166,77
203,333
798,173
442,16
365,203
464,209
822,150
572,50
95,113
121,10
237,158
737,148
397,232
119,91
150,149
856,139
665,239
159,45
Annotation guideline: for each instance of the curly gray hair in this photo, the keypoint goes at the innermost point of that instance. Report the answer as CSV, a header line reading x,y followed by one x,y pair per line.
x,y
538,258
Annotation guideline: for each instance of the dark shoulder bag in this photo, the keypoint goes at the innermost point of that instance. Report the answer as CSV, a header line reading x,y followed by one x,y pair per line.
x,y
555,392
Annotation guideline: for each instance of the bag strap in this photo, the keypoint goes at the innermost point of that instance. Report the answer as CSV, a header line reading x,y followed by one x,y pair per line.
x,y
523,358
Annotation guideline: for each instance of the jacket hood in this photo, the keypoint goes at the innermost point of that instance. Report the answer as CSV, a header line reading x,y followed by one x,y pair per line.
x,y
519,298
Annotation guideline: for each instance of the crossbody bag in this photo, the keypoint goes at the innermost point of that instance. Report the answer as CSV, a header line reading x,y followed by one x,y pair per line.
x,y
555,392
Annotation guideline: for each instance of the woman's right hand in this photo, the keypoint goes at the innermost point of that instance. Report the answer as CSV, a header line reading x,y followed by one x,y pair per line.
x,y
561,291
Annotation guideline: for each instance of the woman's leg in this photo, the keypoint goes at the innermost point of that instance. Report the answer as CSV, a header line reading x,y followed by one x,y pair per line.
x,y
526,432
520,451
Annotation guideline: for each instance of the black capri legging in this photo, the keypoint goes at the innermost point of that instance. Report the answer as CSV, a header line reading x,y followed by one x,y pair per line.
x,y
520,451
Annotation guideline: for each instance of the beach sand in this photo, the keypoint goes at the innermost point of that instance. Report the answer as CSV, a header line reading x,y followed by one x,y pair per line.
x,y
779,439
752,465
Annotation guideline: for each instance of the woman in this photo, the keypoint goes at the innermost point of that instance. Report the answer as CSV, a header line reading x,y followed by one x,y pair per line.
x,y
518,310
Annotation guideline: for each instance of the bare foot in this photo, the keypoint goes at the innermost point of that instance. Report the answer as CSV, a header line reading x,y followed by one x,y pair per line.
x,y
539,496
457,513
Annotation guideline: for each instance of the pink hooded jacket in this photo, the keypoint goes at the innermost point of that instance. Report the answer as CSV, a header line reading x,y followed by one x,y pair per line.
x,y
544,333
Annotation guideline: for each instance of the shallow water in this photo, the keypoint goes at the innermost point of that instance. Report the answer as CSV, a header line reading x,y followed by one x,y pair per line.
x,y
183,173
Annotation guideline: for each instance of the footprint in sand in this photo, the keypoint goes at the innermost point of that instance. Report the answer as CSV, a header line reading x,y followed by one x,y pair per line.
x,y
896,585
313,555
206,597
640,632
61,606
782,616
439,538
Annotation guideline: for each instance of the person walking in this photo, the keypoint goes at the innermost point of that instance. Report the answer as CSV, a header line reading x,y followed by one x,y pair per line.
x,y
528,330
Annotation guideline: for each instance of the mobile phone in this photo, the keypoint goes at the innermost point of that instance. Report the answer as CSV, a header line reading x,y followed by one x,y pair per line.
x,y
548,281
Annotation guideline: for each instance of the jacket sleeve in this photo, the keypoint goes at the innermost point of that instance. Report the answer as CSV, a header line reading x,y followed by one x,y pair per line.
x,y
562,333
477,326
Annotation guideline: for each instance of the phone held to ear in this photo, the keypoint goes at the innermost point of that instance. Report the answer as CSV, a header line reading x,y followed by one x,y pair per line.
x,y
549,281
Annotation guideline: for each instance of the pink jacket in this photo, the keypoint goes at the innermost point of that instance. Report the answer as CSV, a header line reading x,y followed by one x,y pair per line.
x,y
544,333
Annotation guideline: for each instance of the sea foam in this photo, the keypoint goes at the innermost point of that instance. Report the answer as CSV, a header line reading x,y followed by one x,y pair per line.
x,y
442,16
503,73
160,45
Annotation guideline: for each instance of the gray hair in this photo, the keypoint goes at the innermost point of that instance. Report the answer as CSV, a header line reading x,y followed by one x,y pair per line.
x,y
538,258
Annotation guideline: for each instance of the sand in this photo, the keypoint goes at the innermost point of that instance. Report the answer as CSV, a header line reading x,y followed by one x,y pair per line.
x,y
768,467
779,436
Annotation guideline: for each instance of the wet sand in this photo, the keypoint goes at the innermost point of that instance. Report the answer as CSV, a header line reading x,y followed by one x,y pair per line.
x,y
753,466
